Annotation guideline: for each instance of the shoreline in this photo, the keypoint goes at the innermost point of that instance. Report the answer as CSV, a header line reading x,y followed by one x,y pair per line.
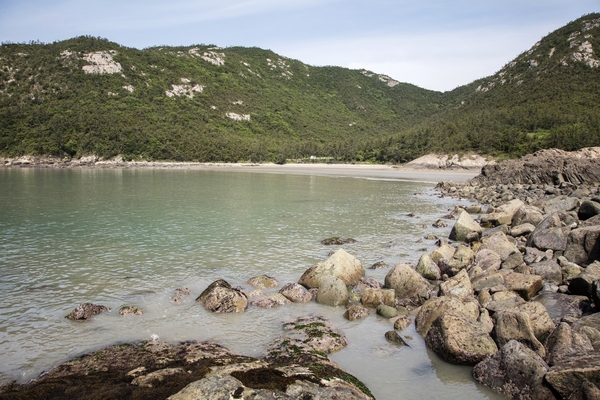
x,y
373,171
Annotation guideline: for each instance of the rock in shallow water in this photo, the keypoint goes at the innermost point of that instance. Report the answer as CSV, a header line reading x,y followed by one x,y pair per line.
x,y
220,297
85,311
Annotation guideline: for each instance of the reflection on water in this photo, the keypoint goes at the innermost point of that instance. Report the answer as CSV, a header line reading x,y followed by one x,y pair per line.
x,y
117,237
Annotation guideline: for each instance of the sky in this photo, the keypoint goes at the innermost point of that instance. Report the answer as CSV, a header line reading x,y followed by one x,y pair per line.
x,y
434,44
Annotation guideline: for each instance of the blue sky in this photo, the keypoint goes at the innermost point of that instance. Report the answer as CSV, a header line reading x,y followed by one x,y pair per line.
x,y
434,44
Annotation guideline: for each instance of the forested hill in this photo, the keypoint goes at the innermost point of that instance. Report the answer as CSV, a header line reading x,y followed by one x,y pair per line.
x,y
91,96
549,96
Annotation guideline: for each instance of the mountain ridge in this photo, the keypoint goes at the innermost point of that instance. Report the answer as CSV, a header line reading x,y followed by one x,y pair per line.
x,y
88,95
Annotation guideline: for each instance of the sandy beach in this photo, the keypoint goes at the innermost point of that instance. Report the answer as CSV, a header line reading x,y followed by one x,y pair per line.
x,y
342,170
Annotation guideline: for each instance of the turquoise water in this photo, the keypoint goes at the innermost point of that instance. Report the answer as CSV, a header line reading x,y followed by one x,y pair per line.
x,y
117,237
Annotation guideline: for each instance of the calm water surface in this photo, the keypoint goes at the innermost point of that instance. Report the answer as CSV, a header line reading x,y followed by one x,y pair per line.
x,y
118,237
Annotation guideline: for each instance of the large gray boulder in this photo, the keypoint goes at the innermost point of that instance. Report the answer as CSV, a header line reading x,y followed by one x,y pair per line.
x,y
332,291
428,268
500,244
582,284
444,251
459,285
220,297
583,245
488,260
568,375
526,286
549,270
406,282
434,307
459,339
340,265
503,215
515,371
565,342
463,227
527,215
548,235
588,209
514,325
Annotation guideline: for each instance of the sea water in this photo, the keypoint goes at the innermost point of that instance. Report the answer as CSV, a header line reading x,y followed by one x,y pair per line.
x,y
131,237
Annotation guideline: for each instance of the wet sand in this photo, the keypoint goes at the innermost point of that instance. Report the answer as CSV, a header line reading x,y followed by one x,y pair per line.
x,y
342,170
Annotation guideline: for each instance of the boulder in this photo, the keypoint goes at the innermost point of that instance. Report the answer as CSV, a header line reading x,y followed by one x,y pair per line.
x,y
501,301
527,215
459,339
582,284
559,304
503,215
549,271
332,291
488,260
356,311
548,235
308,334
374,297
522,230
406,282
461,259
499,244
561,203
463,226
271,300
459,285
526,286
514,325
387,311
588,209
487,280
514,261
296,293
444,251
434,307
541,323
428,268
583,245
569,374
85,311
340,265
564,342
220,297
366,283
263,282
514,371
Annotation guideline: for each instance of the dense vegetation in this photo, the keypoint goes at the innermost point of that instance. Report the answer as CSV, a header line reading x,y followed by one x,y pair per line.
x,y
284,109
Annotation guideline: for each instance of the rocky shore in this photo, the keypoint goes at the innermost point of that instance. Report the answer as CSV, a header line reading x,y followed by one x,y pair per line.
x,y
513,292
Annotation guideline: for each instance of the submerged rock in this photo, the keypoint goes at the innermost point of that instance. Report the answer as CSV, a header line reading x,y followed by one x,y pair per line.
x,y
85,311
263,282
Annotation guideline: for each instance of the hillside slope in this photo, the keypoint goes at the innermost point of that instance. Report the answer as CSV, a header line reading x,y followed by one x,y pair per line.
x,y
547,97
91,96
203,103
